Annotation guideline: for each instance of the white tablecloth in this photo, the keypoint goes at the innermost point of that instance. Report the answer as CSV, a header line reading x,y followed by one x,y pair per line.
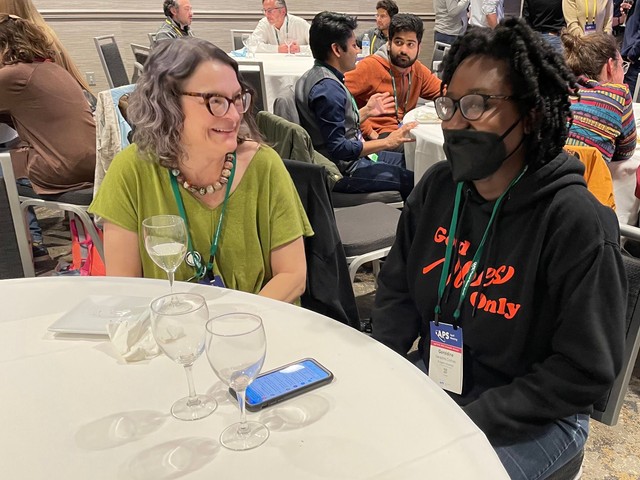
x,y
71,409
281,72
427,150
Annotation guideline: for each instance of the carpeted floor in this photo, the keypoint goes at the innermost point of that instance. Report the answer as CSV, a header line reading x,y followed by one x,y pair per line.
x,y
611,452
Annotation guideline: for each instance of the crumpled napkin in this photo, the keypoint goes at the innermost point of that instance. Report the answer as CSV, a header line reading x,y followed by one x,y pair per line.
x,y
132,337
239,53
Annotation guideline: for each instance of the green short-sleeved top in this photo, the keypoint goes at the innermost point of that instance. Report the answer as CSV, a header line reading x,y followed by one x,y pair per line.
x,y
263,213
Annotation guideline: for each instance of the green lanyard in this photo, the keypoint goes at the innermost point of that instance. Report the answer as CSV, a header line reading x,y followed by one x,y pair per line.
x,y
201,271
286,32
476,258
395,96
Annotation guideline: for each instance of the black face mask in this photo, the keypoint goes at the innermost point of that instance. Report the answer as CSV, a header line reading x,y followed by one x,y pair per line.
x,y
474,155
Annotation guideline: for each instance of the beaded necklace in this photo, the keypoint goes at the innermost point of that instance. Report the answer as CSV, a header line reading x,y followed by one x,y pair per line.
x,y
207,189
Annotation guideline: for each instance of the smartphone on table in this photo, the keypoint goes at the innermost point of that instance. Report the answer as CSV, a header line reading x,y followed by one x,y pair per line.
x,y
285,382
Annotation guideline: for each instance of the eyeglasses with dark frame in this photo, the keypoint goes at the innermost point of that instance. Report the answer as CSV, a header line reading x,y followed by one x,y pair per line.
x,y
218,105
269,11
472,106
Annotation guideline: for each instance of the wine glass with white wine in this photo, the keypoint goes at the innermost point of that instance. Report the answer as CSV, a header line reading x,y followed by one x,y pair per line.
x,y
178,324
236,347
165,238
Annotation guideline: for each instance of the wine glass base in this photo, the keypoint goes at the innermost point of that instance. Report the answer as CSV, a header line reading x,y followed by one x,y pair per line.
x,y
185,409
256,434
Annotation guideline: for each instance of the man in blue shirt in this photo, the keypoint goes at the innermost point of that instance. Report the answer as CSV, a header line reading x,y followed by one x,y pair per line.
x,y
331,116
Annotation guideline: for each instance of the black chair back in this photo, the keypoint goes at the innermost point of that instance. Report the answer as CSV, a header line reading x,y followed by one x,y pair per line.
x,y
328,289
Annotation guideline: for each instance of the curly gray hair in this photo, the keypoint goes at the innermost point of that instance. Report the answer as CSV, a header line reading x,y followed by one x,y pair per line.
x,y
155,107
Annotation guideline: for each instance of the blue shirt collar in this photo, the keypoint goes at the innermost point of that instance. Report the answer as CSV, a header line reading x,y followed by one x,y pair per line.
x,y
337,73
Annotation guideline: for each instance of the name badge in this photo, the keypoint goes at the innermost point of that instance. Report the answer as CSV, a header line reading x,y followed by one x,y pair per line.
x,y
445,356
216,281
590,27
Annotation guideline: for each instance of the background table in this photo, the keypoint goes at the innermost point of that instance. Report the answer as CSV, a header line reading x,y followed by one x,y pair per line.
x,y
281,72
71,409
427,150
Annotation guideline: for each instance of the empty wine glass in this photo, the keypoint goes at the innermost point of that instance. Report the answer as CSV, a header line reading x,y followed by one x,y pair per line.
x,y
236,347
178,324
288,41
250,42
165,238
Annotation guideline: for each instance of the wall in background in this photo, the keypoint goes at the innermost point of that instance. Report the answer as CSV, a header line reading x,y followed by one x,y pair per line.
x,y
131,21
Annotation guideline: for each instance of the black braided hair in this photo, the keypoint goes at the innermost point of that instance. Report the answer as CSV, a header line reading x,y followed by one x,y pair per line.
x,y
539,76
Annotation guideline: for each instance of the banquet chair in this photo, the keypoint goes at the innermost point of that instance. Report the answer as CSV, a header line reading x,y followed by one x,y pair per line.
x,y
440,49
76,202
252,72
152,38
608,409
290,140
636,90
15,251
236,38
285,105
596,173
140,55
367,232
328,289
112,130
111,60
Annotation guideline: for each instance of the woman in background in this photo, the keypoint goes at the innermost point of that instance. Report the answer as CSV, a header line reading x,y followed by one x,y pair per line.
x,y
27,10
603,112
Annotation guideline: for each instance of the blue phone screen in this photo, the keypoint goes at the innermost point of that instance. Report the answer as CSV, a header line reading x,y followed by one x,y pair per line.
x,y
288,379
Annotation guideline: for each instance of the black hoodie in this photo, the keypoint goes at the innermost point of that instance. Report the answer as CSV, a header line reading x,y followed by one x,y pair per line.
x,y
546,338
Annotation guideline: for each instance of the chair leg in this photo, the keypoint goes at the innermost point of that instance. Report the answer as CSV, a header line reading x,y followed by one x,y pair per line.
x,y
78,210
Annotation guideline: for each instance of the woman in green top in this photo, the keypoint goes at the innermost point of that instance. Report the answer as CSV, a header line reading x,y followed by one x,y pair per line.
x,y
192,137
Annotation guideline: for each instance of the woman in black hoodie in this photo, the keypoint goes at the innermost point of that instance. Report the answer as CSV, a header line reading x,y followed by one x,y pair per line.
x,y
504,266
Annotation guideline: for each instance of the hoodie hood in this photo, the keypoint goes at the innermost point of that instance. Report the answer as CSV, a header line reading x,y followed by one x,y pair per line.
x,y
535,185
383,53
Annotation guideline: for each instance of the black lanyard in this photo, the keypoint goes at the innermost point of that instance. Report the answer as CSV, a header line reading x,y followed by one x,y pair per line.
x,y
201,270
476,258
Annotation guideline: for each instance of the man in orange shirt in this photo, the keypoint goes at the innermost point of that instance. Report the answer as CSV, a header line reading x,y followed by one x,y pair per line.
x,y
395,71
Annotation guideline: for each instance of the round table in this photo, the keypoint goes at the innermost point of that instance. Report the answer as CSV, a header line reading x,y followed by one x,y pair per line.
x,y
427,149
281,72
72,409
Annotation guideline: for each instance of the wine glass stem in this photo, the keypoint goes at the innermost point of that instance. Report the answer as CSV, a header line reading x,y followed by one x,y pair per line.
x,y
171,275
193,399
243,428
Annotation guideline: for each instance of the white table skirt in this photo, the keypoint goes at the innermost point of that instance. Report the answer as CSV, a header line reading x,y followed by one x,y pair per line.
x,y
72,409
427,150
280,72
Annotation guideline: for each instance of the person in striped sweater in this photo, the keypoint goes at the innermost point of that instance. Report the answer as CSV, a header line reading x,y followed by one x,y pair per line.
x,y
603,111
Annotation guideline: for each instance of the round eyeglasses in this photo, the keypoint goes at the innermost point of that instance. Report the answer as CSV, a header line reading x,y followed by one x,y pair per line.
x,y
625,66
218,105
471,106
